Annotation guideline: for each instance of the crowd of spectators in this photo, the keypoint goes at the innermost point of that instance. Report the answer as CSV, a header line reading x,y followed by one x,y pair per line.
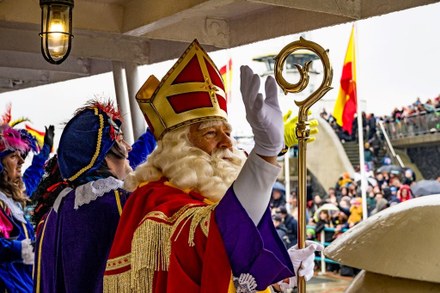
x,y
340,208
399,116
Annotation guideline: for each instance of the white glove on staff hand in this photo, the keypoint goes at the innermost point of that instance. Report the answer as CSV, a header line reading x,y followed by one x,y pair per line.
x,y
303,263
264,115
27,252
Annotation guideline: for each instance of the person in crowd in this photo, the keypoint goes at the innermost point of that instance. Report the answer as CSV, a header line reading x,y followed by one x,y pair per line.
x,y
368,156
409,176
372,129
278,197
344,180
291,225
376,144
199,215
355,212
293,200
326,225
340,221
315,204
371,199
74,240
381,203
16,232
281,229
404,193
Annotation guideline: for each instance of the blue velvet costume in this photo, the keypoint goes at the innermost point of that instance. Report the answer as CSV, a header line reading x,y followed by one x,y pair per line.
x,y
75,239
15,276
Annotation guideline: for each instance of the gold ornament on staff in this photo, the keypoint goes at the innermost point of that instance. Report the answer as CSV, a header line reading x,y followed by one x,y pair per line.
x,y
303,128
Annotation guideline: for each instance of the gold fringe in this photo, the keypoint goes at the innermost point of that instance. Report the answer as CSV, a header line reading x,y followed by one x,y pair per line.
x,y
151,249
117,283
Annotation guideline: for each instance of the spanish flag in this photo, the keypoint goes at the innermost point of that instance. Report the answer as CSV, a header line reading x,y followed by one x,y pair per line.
x,y
226,73
346,102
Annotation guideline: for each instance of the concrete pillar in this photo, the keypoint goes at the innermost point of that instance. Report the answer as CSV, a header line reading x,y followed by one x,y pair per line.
x,y
122,100
133,85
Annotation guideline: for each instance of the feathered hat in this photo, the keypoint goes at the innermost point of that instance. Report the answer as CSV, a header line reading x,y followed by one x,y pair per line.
x,y
12,140
87,138
191,91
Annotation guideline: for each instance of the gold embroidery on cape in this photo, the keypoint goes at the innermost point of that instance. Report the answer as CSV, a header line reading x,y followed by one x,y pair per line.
x,y
118,262
198,216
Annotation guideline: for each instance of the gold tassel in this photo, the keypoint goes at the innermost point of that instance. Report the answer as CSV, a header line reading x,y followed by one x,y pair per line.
x,y
119,283
151,249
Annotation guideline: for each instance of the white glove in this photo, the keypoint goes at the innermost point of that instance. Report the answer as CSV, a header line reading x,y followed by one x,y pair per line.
x,y
264,115
27,252
303,263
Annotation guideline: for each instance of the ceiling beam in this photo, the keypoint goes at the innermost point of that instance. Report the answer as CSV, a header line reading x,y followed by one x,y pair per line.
x,y
84,45
169,12
246,30
346,8
107,17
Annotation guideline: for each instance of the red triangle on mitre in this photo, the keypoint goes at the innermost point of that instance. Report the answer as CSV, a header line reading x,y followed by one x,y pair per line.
x,y
214,75
190,73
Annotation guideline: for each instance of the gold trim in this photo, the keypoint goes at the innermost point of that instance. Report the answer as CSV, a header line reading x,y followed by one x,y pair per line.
x,y
117,283
118,202
98,148
118,262
151,249
26,233
40,247
170,220
156,106
198,216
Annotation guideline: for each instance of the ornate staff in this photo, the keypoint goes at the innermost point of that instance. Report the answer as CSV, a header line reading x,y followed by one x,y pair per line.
x,y
303,128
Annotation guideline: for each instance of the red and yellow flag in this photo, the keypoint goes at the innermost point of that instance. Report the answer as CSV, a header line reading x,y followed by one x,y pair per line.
x,y
39,135
226,73
346,102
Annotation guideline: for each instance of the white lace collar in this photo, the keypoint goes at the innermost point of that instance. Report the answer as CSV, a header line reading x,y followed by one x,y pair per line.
x,y
15,207
90,191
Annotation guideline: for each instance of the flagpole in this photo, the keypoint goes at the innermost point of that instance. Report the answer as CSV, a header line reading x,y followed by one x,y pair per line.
x,y
360,137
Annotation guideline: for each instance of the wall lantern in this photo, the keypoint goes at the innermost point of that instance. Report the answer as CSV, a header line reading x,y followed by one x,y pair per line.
x,y
56,29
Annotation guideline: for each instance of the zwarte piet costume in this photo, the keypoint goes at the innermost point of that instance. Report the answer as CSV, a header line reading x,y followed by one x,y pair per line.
x,y
74,240
15,274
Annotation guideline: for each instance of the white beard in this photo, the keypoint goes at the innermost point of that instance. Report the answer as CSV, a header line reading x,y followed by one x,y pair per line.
x,y
188,167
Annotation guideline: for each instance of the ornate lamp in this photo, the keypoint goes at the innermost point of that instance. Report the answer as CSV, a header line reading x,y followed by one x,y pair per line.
x,y
56,29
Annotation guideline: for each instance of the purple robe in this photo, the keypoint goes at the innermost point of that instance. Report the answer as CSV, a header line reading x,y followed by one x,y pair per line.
x,y
254,250
73,245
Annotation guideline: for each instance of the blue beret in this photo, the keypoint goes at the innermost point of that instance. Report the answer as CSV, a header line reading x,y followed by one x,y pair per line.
x,y
85,141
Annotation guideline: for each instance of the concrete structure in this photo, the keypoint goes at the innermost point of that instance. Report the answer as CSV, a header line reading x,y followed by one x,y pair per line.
x,y
118,35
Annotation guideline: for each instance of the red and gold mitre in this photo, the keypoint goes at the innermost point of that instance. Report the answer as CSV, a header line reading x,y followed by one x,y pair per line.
x,y
191,91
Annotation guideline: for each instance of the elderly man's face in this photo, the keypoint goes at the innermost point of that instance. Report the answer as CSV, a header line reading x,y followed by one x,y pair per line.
x,y
210,136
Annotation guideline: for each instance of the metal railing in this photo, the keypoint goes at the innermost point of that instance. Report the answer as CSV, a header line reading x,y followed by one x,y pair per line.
x,y
390,149
417,124
322,259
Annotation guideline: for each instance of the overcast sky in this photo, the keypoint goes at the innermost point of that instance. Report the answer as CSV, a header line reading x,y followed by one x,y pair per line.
x,y
397,61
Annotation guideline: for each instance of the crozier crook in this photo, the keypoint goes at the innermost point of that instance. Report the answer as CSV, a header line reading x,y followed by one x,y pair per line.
x,y
303,128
